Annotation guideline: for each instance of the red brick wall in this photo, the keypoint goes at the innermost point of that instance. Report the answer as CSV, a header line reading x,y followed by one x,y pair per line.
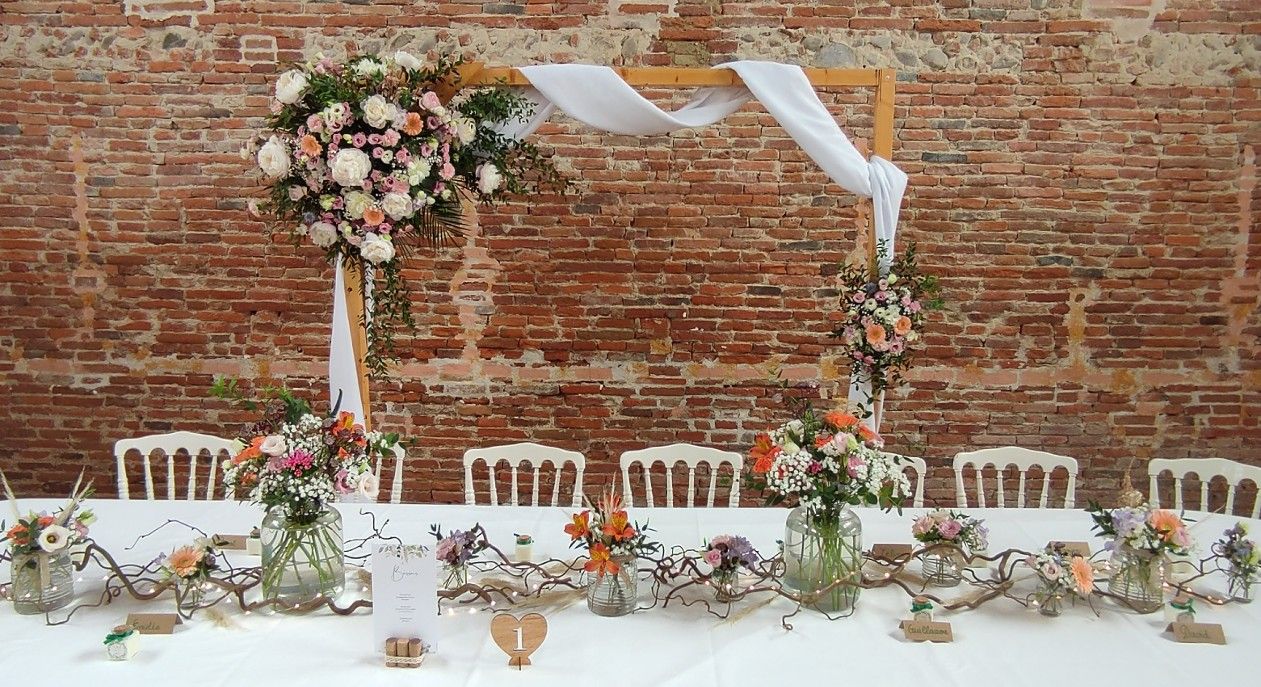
x,y
1084,180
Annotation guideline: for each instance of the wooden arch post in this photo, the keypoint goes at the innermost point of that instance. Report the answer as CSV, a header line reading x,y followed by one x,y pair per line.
x,y
475,74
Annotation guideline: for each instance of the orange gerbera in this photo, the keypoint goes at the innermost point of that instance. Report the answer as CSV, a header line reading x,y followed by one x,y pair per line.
x,y
1165,522
373,216
309,146
184,561
618,526
580,525
601,562
763,452
413,125
902,326
1083,575
875,335
254,450
841,419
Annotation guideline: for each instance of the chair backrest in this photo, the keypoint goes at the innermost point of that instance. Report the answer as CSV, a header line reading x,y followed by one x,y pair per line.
x,y
691,456
920,468
535,456
396,484
1022,459
1206,469
170,444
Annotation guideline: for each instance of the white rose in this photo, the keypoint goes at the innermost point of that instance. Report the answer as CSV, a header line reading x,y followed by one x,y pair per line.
x,y
376,249
356,204
397,205
369,486
323,234
351,166
406,60
465,129
273,445
489,178
273,158
290,86
54,538
418,171
378,112
369,67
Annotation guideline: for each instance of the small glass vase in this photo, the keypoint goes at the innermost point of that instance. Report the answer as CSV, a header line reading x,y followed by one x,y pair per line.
x,y
1239,586
1050,599
725,584
1137,579
190,593
41,582
615,594
823,559
942,568
454,576
302,560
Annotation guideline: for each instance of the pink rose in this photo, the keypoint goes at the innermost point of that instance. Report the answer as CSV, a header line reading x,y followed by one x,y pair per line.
x,y
855,463
448,171
922,526
949,529
430,100
341,482
713,557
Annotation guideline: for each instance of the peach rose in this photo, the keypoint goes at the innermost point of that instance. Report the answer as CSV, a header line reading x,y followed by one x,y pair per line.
x,y
903,326
373,216
875,335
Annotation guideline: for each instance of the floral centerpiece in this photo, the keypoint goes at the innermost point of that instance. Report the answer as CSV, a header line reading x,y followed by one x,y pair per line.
x,y
1243,559
188,567
883,318
301,465
825,463
947,534
39,544
1141,539
612,544
726,554
454,551
366,158
1060,573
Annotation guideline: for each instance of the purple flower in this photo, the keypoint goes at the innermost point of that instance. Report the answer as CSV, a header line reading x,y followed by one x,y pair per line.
x,y
1126,522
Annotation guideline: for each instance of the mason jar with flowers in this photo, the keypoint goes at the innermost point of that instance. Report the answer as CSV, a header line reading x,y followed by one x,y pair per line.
x,y
727,555
613,547
825,463
1060,575
39,546
1242,559
950,538
188,569
454,552
1141,539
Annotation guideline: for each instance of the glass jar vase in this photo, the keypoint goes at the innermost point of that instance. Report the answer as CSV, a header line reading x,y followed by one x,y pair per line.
x,y
725,584
453,576
41,582
942,567
1137,579
190,594
823,559
615,594
1050,599
1239,586
302,560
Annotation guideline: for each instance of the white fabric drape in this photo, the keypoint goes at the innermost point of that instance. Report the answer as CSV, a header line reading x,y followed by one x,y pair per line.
x,y
597,96
343,376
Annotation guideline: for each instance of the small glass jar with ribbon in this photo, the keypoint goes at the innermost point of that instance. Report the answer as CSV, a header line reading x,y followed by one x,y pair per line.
x,y
922,609
122,643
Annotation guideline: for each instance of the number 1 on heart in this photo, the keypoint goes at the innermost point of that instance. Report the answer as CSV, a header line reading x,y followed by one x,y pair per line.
x,y
520,646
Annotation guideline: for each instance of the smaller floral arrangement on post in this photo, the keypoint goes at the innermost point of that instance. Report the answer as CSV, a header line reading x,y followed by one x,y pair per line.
x,y
605,531
884,318
1242,557
1143,529
191,563
44,533
950,527
1060,571
728,553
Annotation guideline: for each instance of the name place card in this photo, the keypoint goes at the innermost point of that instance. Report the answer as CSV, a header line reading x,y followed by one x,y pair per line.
x,y
229,542
927,631
404,594
154,623
891,552
1072,548
1197,633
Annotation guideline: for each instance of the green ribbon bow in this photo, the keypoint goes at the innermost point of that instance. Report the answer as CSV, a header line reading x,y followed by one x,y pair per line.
x,y
116,637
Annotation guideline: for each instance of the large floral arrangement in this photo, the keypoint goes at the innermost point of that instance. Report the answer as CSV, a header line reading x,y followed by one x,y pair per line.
x,y
366,159
605,531
884,318
299,462
1143,529
949,527
825,462
45,533
1060,571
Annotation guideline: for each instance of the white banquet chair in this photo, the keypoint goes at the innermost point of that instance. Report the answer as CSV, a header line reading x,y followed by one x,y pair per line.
x,y
534,456
920,468
396,484
1022,459
170,444
691,456
1206,470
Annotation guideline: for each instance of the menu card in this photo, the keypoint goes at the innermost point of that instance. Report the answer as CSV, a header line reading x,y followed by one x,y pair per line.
x,y
404,594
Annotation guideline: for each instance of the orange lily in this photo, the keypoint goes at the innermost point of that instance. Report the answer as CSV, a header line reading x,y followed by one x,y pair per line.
x,y
600,562
580,526
18,535
617,526
254,450
764,453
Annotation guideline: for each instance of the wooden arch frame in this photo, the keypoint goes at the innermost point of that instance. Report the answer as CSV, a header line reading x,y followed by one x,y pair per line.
x,y
476,74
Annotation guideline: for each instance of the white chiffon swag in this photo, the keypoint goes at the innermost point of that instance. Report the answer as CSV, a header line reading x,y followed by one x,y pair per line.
x,y
598,97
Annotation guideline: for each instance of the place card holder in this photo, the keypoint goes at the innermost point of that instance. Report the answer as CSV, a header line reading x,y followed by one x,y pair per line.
x,y
404,652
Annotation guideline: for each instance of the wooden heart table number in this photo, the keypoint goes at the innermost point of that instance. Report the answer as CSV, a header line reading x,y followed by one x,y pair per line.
x,y
519,637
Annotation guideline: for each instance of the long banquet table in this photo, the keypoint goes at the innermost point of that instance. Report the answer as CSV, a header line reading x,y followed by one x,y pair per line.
x,y
999,643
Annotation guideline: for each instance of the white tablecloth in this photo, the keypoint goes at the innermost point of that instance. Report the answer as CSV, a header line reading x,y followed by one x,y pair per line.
x,y
1000,643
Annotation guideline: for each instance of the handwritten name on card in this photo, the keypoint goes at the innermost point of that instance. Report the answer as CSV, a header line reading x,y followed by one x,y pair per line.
x,y
1197,633
927,631
230,542
154,623
1072,548
404,594
891,552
